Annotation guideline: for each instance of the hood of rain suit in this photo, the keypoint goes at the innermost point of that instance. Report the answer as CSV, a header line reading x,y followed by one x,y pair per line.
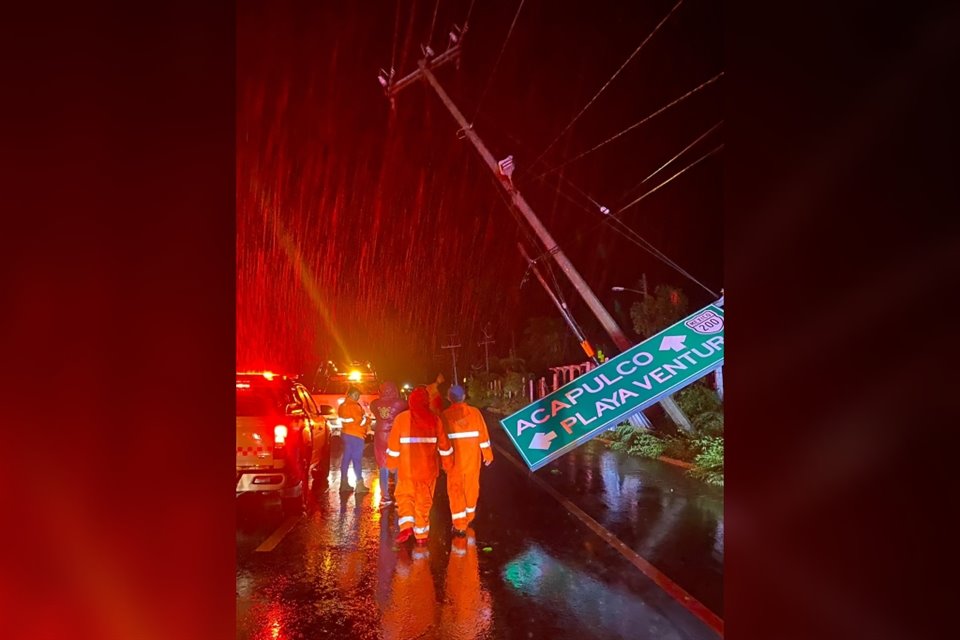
x,y
388,391
422,418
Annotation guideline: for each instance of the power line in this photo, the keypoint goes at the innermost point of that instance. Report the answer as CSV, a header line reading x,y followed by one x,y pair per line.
x,y
632,127
469,13
623,229
497,63
433,23
631,235
606,84
393,47
703,135
670,179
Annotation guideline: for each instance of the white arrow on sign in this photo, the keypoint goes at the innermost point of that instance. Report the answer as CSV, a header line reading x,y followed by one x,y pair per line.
x,y
542,440
672,342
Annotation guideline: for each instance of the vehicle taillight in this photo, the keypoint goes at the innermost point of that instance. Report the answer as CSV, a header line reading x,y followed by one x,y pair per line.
x,y
279,440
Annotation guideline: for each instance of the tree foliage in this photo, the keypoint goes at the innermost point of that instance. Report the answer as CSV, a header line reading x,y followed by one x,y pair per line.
x,y
658,311
703,406
478,390
546,343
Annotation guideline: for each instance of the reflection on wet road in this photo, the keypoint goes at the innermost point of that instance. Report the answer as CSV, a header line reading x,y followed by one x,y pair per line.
x,y
668,518
527,568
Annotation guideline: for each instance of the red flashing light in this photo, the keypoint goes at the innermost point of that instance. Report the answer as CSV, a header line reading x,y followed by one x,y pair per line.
x,y
269,375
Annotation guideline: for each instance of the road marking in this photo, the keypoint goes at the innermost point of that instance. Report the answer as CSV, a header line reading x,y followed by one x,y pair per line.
x,y
277,536
672,589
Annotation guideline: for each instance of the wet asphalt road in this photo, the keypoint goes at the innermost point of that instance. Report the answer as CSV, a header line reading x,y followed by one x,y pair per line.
x,y
528,569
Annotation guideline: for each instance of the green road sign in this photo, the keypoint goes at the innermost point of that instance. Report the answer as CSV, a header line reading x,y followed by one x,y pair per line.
x,y
635,379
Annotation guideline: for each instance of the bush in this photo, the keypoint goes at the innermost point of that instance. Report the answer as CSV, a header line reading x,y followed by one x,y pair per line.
x,y
478,391
622,436
513,384
509,406
708,464
703,406
647,445
680,447
636,442
704,451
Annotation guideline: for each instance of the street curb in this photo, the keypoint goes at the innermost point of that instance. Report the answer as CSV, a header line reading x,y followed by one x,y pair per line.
x,y
673,461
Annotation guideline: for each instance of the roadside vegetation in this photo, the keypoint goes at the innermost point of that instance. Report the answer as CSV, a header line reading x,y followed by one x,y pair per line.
x,y
703,448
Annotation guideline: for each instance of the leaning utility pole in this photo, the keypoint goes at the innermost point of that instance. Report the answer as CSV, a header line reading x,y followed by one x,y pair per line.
x,y
502,171
453,351
485,343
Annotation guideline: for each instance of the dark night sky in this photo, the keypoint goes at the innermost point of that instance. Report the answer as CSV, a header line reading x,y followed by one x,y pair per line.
x,y
373,235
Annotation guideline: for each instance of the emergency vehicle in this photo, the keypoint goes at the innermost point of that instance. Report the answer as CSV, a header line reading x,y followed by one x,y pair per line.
x,y
330,389
281,438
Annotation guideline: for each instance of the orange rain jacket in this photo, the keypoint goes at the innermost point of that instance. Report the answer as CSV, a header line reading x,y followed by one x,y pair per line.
x,y
416,451
467,431
353,419
416,448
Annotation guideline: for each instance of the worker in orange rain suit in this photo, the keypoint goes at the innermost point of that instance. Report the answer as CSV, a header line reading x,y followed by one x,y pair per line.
x,y
411,611
468,432
416,448
466,611
436,400
354,430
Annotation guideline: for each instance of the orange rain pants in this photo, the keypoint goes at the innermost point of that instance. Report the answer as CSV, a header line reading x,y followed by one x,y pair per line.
x,y
467,431
416,454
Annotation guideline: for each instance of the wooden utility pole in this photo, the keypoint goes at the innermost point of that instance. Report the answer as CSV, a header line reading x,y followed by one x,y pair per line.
x,y
485,343
503,171
453,351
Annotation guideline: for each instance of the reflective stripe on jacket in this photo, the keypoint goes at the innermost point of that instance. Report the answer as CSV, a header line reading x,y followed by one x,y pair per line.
x,y
353,419
467,431
418,455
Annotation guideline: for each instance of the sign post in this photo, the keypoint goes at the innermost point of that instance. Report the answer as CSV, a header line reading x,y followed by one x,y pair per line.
x,y
661,365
